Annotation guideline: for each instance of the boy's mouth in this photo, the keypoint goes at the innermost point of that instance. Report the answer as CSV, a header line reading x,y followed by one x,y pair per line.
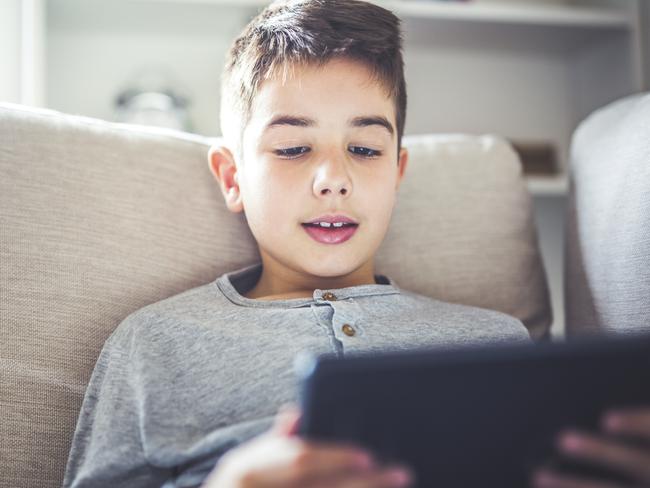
x,y
330,233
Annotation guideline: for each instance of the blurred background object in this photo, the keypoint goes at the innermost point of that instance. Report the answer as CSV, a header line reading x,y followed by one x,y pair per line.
x,y
153,98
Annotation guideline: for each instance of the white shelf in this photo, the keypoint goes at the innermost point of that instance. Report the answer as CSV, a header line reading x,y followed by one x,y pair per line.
x,y
548,185
527,13
492,12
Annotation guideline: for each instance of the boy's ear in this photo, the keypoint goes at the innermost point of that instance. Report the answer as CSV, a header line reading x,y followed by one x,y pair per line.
x,y
402,161
223,168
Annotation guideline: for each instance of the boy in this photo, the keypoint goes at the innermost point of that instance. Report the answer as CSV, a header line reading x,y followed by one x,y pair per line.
x,y
313,110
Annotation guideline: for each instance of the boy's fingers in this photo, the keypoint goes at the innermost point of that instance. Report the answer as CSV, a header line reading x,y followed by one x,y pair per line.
x,y
320,461
385,478
549,479
632,421
287,420
310,466
633,461
288,408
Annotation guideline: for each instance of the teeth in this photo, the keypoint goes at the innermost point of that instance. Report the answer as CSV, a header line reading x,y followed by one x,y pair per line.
x,y
329,224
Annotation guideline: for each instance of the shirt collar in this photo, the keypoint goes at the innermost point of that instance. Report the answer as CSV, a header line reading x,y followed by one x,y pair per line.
x,y
245,278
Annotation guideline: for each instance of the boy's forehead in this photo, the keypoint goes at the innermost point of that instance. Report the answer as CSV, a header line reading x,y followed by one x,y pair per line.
x,y
293,80
336,89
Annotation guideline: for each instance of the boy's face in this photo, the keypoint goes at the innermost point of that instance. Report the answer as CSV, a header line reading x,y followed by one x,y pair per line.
x,y
323,143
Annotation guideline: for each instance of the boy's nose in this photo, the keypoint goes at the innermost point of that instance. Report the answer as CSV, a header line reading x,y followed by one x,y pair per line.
x,y
332,179
330,187
324,191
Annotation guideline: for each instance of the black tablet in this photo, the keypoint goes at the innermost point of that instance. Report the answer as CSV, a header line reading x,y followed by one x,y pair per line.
x,y
477,416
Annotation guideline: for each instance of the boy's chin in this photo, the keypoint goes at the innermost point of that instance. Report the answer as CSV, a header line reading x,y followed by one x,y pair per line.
x,y
337,268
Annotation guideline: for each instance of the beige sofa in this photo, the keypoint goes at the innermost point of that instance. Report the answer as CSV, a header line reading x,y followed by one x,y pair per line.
x,y
99,219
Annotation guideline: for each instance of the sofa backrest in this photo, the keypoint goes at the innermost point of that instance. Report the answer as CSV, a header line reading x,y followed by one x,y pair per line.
x,y
100,219
607,265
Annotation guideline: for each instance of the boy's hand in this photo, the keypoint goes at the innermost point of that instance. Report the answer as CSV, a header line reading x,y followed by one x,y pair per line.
x,y
278,458
631,461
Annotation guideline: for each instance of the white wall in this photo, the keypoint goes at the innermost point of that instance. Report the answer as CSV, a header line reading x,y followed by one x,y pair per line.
x,y
117,40
10,50
475,79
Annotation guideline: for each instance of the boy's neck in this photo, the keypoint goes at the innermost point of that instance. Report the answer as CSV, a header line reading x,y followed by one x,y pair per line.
x,y
278,282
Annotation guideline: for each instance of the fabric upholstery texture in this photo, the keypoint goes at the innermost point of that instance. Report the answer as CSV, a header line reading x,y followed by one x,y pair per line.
x,y
607,266
100,219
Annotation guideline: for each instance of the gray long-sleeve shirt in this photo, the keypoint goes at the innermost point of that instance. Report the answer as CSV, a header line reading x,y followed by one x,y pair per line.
x,y
183,380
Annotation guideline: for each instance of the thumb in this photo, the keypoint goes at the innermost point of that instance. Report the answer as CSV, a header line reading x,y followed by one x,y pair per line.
x,y
287,420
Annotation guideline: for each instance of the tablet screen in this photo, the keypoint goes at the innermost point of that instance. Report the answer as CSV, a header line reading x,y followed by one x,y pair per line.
x,y
478,416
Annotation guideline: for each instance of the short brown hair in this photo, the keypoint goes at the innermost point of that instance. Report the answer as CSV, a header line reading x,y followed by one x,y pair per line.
x,y
291,32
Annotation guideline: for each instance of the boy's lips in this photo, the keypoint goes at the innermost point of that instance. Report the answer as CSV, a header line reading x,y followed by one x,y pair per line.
x,y
330,235
332,219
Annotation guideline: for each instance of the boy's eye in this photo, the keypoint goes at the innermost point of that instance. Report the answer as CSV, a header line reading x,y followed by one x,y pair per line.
x,y
364,151
292,151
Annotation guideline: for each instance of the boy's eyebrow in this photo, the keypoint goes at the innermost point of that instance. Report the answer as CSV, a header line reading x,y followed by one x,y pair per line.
x,y
362,121
374,120
290,120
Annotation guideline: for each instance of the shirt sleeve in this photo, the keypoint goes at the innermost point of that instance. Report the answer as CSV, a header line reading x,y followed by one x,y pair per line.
x,y
514,329
107,447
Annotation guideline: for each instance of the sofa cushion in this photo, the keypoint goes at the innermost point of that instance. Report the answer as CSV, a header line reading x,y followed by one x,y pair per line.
x,y
100,219
462,229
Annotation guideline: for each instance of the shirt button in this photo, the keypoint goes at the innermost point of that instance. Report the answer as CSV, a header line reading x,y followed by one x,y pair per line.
x,y
348,330
330,297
